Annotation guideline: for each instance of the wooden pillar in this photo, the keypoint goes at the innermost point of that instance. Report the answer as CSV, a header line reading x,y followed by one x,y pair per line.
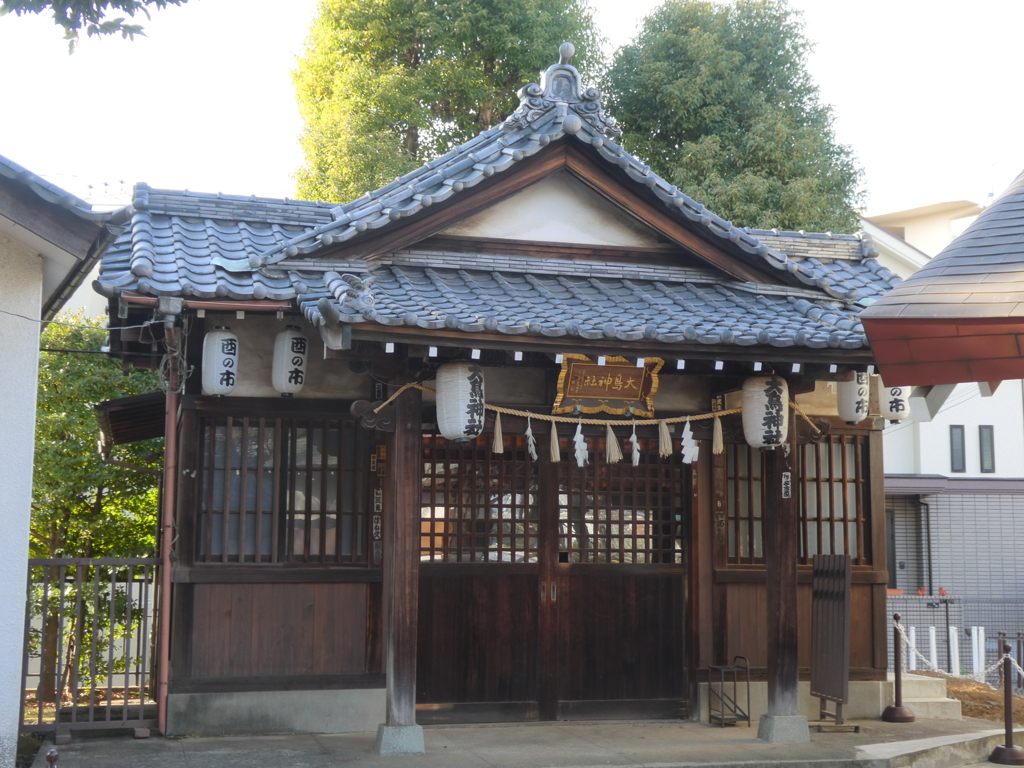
x,y
780,556
402,557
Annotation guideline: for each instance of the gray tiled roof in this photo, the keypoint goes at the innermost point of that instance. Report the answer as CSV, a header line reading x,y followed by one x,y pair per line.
x,y
424,288
510,302
979,274
558,108
223,246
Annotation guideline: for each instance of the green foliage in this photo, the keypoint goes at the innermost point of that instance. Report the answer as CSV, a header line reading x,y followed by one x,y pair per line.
x,y
82,507
386,84
716,98
91,15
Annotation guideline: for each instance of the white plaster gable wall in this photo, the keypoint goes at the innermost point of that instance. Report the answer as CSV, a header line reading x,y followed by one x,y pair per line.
x,y
557,209
20,292
1004,411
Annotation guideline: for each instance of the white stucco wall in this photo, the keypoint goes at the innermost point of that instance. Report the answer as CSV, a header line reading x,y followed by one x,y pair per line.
x,y
558,209
20,292
923,447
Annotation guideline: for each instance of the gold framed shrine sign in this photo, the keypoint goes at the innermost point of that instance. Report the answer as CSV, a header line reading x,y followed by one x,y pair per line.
x,y
617,387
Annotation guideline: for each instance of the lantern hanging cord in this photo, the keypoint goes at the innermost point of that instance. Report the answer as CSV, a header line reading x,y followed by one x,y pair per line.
x,y
799,412
593,422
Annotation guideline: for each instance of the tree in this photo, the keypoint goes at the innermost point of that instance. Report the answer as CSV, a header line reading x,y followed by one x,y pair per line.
x,y
82,507
386,84
91,15
717,99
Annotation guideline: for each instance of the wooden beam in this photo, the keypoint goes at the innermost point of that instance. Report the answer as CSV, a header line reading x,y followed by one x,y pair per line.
x,y
451,212
988,388
48,221
659,218
642,348
780,564
925,402
401,558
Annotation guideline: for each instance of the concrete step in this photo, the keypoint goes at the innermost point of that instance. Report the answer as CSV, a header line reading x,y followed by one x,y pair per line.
x,y
926,696
934,709
923,687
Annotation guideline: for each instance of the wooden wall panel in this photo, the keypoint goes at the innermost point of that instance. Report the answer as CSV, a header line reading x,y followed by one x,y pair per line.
x,y
746,622
746,616
862,626
621,635
477,636
276,630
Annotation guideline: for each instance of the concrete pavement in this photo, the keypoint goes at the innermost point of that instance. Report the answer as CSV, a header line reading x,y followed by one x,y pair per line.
x,y
665,744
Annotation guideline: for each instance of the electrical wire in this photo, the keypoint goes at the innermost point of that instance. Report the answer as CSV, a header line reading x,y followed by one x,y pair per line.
x,y
72,325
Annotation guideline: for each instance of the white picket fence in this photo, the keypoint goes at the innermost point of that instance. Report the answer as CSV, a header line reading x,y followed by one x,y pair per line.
x,y
923,653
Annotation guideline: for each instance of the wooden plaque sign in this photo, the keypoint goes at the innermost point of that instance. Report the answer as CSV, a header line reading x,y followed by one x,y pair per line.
x,y
617,387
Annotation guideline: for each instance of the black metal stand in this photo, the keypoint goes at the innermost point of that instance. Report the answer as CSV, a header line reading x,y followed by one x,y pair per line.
x,y
1007,754
897,713
723,707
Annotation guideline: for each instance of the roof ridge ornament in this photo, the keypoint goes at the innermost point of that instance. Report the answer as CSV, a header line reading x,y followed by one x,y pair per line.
x,y
561,88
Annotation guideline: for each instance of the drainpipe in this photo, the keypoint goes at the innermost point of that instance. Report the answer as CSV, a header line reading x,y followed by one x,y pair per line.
x,y
167,523
928,541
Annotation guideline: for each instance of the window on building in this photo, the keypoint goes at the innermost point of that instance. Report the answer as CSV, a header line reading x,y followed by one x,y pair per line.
x,y
832,499
986,439
957,457
278,490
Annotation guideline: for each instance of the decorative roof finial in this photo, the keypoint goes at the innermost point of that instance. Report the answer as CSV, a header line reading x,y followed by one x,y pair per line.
x,y
561,93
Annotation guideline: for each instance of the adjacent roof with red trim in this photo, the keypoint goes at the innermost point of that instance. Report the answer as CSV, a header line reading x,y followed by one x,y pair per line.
x,y
959,318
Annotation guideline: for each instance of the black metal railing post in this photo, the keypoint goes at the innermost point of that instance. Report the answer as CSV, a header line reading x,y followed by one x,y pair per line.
x,y
897,713
1007,753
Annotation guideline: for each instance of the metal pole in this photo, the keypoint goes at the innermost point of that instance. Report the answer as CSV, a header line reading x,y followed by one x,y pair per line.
x,y
1007,754
167,532
897,713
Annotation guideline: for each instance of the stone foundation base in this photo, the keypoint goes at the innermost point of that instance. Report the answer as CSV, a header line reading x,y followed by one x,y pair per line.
x,y
399,740
783,729
264,712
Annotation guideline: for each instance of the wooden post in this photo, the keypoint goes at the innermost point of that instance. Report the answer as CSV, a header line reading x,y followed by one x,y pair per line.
x,y
783,722
780,556
399,733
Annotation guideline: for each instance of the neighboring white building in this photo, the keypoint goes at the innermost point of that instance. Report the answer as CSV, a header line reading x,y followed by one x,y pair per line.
x,y
46,249
955,479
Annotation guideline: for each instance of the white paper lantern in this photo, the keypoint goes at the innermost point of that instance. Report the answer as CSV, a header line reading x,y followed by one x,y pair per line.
x,y
220,361
460,401
894,402
853,398
765,411
291,350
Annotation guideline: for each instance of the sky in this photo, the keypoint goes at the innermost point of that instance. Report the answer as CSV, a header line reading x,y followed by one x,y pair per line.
x,y
925,92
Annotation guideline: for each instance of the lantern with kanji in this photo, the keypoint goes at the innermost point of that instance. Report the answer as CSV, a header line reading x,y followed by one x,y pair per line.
x,y
853,397
291,350
220,361
460,401
765,411
894,402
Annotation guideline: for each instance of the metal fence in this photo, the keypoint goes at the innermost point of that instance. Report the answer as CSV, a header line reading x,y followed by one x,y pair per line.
x,y
90,638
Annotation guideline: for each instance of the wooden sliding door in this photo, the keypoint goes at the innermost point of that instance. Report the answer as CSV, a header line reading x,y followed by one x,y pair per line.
x,y
549,591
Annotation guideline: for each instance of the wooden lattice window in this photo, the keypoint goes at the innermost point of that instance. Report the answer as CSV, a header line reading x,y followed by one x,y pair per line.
x,y
478,506
276,490
618,513
831,496
745,491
